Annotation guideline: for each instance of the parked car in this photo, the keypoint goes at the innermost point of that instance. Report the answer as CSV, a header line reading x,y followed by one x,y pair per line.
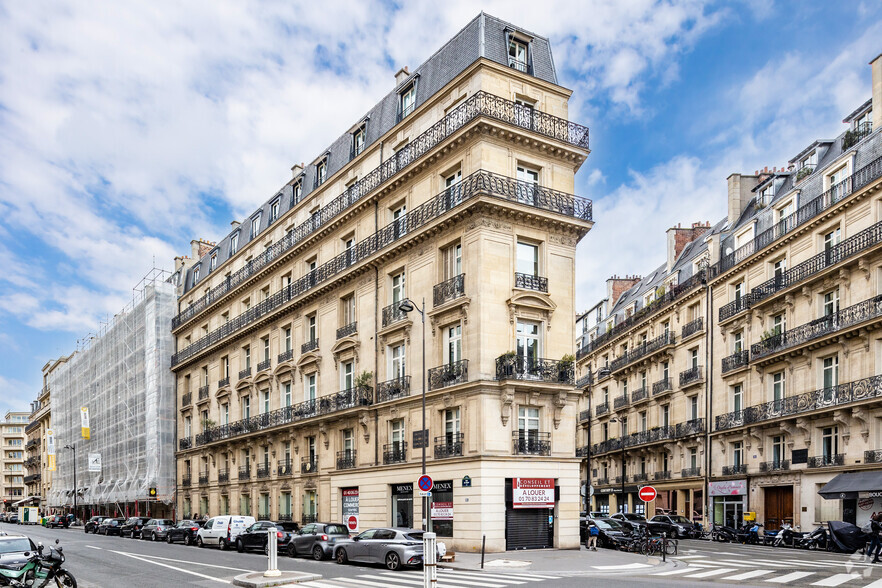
x,y
58,521
317,540
394,547
132,527
675,526
222,530
91,525
155,529
184,531
256,537
110,526
629,520
13,519
612,532
13,548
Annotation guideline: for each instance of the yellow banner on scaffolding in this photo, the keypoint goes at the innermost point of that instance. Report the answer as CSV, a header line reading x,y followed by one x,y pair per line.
x,y
84,421
50,449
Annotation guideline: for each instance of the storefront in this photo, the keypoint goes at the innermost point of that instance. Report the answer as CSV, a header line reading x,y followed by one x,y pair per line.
x,y
402,505
860,494
349,508
729,501
442,508
609,500
529,512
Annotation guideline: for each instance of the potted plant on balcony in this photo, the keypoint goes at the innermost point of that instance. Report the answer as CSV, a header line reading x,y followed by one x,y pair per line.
x,y
566,368
207,424
364,379
506,364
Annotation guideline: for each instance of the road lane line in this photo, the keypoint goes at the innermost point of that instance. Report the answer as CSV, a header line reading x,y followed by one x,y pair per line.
x,y
876,584
709,573
748,575
789,577
836,580
630,566
182,570
92,547
187,561
513,579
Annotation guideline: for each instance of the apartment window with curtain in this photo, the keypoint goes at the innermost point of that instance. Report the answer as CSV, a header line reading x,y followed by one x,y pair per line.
x,y
829,444
397,436
266,348
348,309
665,416
451,425
246,407
778,388
266,401
738,342
348,443
528,424
527,258
287,337
311,327
777,450
830,375
452,261
286,396
311,387
693,407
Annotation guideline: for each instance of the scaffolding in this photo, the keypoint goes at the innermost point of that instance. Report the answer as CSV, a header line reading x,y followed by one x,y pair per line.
x,y
122,375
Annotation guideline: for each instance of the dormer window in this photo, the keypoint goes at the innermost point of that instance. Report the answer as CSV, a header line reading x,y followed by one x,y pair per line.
x,y
297,192
195,274
255,225
358,141
234,243
274,209
408,99
321,172
212,264
517,54
806,165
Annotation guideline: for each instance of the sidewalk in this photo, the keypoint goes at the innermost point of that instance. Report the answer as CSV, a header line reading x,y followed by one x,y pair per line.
x,y
567,562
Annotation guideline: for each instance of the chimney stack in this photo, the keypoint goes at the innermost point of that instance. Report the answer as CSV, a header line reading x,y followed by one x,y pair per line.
x,y
740,193
401,75
876,67
616,286
296,170
679,237
199,247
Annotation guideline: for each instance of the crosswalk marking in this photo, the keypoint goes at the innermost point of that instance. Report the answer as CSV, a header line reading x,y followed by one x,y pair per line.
x,y
876,584
711,572
675,572
457,574
748,575
787,578
836,580
442,579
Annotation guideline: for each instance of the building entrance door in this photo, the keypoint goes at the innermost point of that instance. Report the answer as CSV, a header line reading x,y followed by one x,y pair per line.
x,y
779,506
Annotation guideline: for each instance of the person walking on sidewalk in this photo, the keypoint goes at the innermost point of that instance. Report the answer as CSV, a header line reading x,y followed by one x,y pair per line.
x,y
875,538
593,533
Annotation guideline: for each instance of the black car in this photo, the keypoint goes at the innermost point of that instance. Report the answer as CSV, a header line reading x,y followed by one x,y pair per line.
x,y
184,531
13,548
91,525
132,527
58,521
629,520
110,526
317,540
675,526
612,533
255,536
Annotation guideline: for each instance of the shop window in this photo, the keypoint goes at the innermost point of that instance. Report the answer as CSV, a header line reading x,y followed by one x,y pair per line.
x,y
402,505
442,508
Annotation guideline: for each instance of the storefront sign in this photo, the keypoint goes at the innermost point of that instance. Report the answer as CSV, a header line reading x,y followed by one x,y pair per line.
x,y
442,511
617,490
443,486
350,507
402,488
532,492
727,488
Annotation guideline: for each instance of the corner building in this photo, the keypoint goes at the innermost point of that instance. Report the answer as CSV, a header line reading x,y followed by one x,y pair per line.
x,y
299,376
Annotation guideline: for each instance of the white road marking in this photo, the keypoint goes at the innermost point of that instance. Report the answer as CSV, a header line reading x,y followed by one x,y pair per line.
x,y
748,575
836,580
630,566
93,547
689,556
709,573
186,561
789,577
876,584
182,570
457,573
674,572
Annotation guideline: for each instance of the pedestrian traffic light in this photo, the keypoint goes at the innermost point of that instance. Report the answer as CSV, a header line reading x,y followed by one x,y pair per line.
x,y
152,492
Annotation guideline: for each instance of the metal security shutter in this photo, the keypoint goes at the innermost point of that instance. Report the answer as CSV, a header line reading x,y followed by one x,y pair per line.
x,y
527,528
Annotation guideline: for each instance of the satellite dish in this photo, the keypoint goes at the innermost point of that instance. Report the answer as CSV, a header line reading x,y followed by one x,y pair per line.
x,y
728,251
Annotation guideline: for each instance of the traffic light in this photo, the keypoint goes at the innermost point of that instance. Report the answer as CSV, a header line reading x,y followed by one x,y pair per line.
x,y
152,493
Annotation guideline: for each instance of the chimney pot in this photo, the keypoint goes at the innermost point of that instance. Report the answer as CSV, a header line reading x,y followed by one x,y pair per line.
x,y
401,75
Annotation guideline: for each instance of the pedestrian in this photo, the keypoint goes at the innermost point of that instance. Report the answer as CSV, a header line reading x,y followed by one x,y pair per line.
x,y
593,533
875,537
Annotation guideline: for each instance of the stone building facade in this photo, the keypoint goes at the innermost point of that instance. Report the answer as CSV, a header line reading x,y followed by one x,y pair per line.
x,y
12,471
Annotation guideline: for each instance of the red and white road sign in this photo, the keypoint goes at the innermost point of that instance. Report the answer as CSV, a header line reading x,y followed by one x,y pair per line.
x,y
425,483
647,494
352,523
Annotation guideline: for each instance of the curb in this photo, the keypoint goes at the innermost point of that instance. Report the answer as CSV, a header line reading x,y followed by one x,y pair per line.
x,y
258,580
654,564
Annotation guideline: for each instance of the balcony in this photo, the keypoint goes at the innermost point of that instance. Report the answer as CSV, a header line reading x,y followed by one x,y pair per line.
x,y
347,330
691,376
448,290
311,345
583,451
203,393
285,517
854,136
223,382
620,480
284,467
246,373
818,328
449,375
690,472
531,282
449,445
185,443
873,456
392,314
585,380
308,519
601,482
309,464
223,476
641,351
824,398
285,356
185,481
531,443
637,478
663,475
244,472
203,478
774,466
654,435
264,365
478,184
346,460
187,399
393,389
738,360
263,471
32,478
736,306
691,328
518,367
395,452
639,395
826,461
734,470
519,65
585,416
620,402
662,386
601,409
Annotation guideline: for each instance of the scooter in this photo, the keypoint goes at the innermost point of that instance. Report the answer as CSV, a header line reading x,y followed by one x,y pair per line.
x,y
787,537
750,534
817,539
39,570
723,533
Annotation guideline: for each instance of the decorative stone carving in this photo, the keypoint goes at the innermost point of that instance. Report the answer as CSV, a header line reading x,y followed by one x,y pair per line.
x,y
864,267
560,401
840,417
365,427
323,430
490,223
859,413
507,400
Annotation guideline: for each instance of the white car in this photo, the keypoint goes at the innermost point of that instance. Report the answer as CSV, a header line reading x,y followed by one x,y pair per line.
x,y
222,531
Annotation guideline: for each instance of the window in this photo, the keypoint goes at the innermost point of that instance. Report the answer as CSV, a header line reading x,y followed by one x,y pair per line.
x,y
665,371
187,426
830,372
408,100
451,425
398,290
527,187
643,380
358,141
831,302
205,375
838,176
247,351
311,386
212,264
738,291
225,366
829,444
643,421
266,348
624,423
517,54
274,210
778,388
321,172
266,401
738,342
693,458
778,269
737,398
777,450
693,407
346,375
452,261
785,211
397,434
399,217
225,414
297,191
286,332
234,243
737,454
528,421
832,239
397,367
693,357
665,416
779,324
255,225
246,407
311,327
604,432
453,343
195,274
287,394
453,185
348,308
348,442
528,344
528,259
809,161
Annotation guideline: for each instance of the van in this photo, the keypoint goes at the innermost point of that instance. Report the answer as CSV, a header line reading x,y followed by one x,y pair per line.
x,y
223,530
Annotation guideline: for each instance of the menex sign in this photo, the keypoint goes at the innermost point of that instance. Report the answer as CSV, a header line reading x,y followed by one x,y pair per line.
x,y
532,492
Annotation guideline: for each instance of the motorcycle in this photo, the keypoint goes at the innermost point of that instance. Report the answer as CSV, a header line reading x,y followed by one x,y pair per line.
x,y
723,533
40,571
749,534
817,539
787,537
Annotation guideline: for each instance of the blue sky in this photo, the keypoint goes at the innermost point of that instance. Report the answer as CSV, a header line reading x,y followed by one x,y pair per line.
x,y
129,128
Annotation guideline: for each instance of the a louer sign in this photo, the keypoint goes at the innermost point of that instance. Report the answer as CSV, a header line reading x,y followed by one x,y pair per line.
x,y
532,492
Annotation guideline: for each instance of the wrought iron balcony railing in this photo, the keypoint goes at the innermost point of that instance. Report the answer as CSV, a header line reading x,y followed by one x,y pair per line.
x,y
852,137
601,409
662,386
284,356
641,351
347,330
32,443
285,517
346,460
737,360
346,399
187,399
311,345
392,314
449,445
690,472
185,443
448,290
662,475
601,481
519,367
309,464
244,472
223,476
585,415
692,375
619,480
395,452
264,365
308,519
223,382
203,392
692,328
244,373
32,478
654,435
620,401
449,375
531,443
285,467
531,282
741,303
818,328
825,461
393,389
583,451
263,470
585,380
203,478
519,65
774,466
732,470
639,394
873,456
185,481
478,184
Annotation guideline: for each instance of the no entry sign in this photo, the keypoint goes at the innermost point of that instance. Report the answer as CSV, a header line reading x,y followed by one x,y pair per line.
x,y
352,523
647,494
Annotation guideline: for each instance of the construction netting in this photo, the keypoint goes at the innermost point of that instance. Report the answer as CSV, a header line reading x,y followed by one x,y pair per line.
x,y
123,377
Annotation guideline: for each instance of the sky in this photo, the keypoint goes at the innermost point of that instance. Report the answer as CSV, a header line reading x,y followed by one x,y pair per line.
x,y
129,128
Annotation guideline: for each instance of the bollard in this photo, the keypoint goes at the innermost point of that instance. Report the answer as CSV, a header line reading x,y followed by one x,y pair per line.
x,y
483,545
664,547
272,564
430,560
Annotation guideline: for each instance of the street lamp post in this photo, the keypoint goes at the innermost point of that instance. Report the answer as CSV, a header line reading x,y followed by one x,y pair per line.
x,y
74,449
406,306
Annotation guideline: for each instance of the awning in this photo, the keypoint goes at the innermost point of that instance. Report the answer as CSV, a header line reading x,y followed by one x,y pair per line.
x,y
852,484
23,500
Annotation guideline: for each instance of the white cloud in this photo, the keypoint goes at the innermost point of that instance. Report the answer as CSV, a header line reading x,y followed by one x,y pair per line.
x,y
15,395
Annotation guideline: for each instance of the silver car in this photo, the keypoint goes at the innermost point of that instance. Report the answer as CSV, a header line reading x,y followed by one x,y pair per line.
x,y
394,547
